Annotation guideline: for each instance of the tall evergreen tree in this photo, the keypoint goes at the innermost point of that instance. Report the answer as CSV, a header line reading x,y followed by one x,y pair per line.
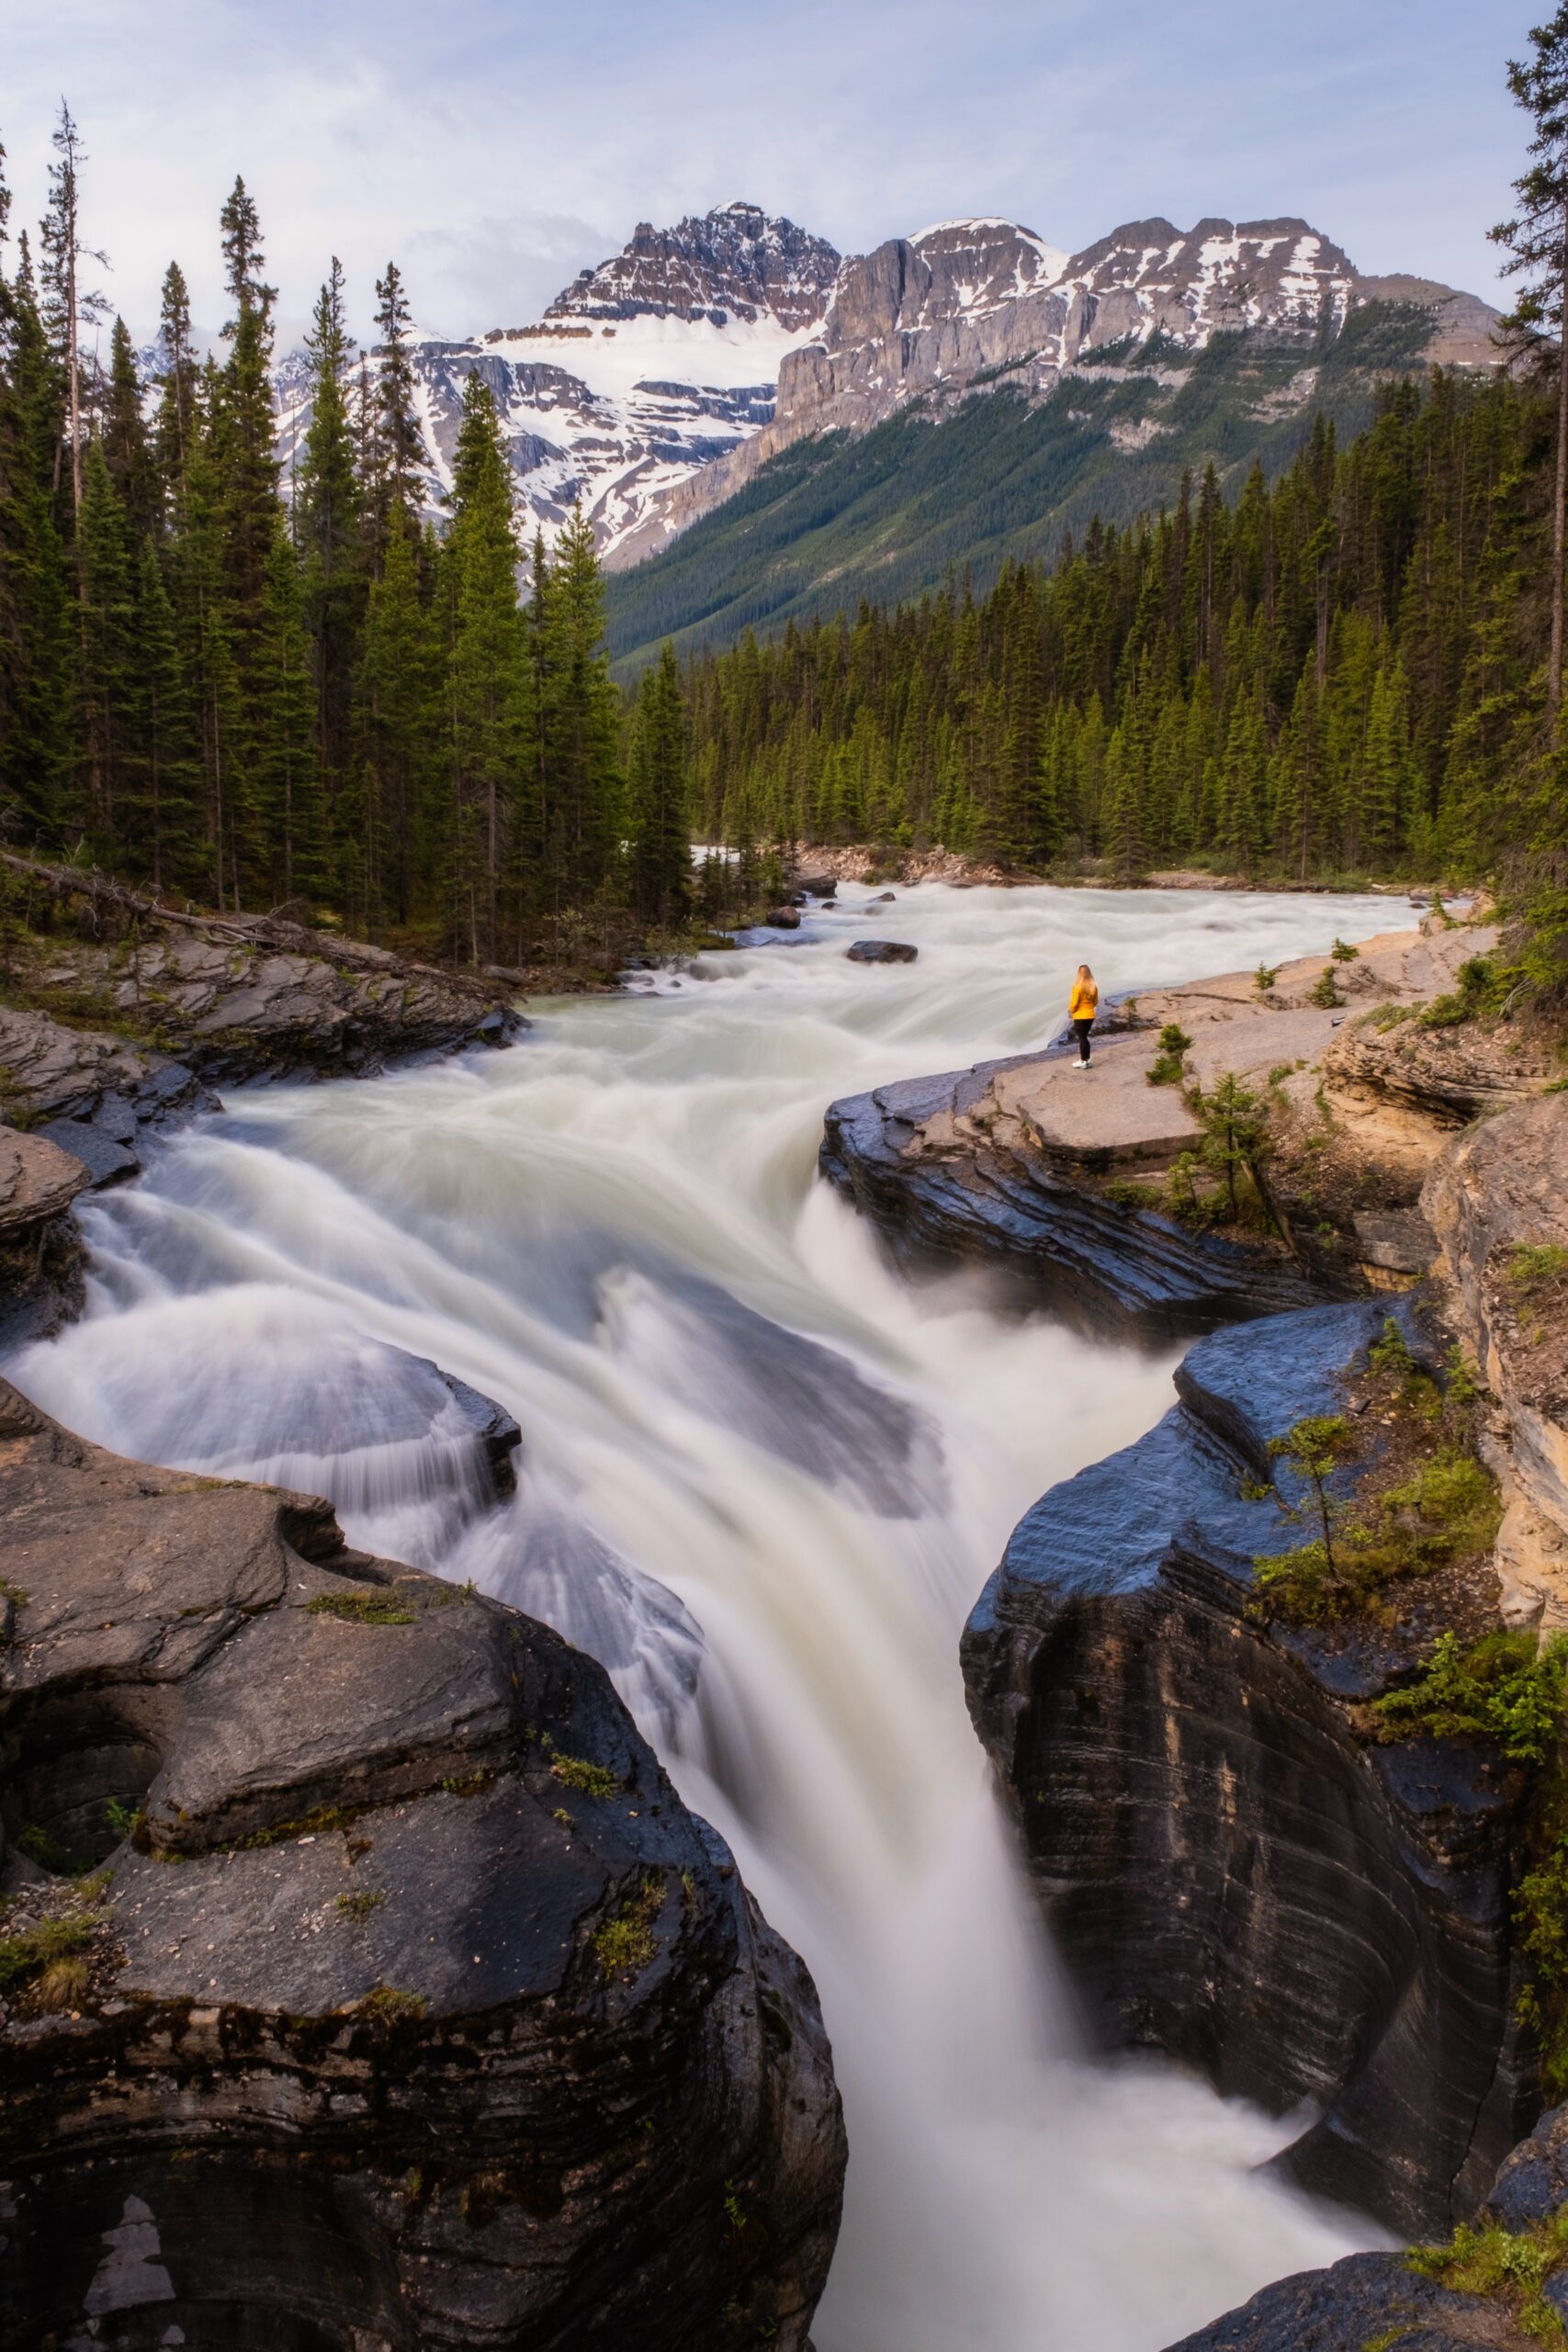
x,y
1537,242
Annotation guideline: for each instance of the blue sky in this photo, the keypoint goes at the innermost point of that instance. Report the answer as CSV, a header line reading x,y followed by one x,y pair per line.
x,y
495,147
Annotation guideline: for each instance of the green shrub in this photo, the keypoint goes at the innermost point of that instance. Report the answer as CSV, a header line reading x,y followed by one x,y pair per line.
x,y
1505,1688
588,1779
1535,1268
1325,993
1344,954
361,1607
27,1956
1511,2267
1264,978
1167,1070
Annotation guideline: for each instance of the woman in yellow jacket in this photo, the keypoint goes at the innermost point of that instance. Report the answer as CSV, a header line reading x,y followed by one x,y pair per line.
x,y
1081,1011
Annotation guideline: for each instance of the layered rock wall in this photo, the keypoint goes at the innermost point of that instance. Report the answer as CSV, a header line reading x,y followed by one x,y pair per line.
x,y
405,2008
1234,1873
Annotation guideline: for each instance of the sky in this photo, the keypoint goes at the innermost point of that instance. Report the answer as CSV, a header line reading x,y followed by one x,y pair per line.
x,y
496,147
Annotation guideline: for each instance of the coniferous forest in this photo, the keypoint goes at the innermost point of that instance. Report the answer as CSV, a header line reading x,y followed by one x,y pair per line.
x,y
257,692
1341,674
260,690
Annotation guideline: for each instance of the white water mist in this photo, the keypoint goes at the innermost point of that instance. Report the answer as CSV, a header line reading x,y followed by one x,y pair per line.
x,y
762,1479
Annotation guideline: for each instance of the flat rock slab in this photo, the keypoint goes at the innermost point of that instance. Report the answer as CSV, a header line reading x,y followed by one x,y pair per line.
x,y
882,951
37,1180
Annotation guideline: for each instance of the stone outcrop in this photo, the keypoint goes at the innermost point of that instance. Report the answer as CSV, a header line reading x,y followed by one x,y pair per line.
x,y
41,1256
408,2008
1377,2300
1234,1874
1499,1191
129,1021
1004,1203
1054,1180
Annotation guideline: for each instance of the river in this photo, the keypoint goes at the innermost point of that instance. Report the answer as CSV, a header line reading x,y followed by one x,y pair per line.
x,y
763,1479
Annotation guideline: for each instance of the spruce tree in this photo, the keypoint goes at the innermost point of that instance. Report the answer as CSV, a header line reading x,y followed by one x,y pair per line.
x,y
327,526
1537,243
484,674
35,647
661,856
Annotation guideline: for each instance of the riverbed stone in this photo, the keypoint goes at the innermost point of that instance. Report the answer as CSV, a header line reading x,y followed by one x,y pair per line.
x,y
412,2011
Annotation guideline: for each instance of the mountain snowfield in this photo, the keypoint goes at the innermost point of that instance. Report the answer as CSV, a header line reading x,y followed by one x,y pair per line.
x,y
656,385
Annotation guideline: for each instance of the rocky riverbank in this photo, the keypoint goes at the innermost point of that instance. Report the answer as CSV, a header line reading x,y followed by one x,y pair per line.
x,y
1249,1859
1071,1185
362,1979
363,1982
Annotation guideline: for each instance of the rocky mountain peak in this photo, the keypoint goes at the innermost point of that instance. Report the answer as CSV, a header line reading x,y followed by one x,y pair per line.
x,y
1279,275
976,265
735,262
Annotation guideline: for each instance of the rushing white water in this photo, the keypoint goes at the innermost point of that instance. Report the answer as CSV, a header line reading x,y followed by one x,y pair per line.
x,y
763,1479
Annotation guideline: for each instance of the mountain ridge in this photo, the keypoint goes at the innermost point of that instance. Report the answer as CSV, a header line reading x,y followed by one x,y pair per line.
x,y
658,383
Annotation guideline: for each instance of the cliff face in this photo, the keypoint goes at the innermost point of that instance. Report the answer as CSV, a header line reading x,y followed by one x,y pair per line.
x,y
403,2007
999,1201
1233,1875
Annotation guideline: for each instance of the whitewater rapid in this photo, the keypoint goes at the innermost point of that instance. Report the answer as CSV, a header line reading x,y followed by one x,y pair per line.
x,y
763,1479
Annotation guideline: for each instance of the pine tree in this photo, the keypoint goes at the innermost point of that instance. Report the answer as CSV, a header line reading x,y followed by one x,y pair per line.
x,y
484,674
582,812
400,441
399,706
69,304
34,600
106,657
328,531
1536,241
661,856
176,427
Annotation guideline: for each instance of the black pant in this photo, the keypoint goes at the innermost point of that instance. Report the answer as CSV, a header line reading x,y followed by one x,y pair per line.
x,y
1083,1028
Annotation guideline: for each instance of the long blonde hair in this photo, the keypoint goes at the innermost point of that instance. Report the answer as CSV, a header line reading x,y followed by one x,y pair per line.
x,y
1084,972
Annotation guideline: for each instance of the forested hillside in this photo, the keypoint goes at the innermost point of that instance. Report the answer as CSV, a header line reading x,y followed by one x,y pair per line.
x,y
934,489
257,693
1341,674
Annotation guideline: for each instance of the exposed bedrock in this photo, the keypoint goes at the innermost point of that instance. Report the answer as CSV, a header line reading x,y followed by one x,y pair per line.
x,y
132,1016
1234,1876
41,1251
408,2010
1014,1208
1377,2299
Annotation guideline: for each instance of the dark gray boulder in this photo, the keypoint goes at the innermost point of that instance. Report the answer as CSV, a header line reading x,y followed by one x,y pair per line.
x,y
408,2009
40,1252
882,951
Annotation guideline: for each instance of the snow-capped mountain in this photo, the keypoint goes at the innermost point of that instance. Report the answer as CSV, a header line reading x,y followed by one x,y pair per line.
x,y
970,304
642,371
656,384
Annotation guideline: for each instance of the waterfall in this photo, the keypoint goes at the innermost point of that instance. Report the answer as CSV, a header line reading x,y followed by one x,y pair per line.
x,y
762,1478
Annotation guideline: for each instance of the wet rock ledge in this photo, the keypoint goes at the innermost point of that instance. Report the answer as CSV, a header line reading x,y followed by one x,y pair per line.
x,y
1234,1874
120,1018
364,1985
1054,1180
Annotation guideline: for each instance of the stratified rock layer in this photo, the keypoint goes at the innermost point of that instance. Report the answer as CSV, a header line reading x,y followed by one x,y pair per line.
x,y
1232,1874
419,2014
1023,1213
41,1257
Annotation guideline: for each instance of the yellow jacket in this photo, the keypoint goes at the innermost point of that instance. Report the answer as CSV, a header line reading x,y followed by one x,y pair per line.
x,y
1086,998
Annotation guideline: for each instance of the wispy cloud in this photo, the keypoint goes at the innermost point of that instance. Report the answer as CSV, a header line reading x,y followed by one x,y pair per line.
x,y
496,150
